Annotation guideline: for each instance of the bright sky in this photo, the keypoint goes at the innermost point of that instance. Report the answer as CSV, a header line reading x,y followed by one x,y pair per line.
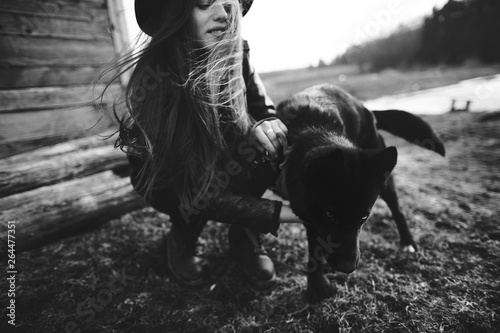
x,y
286,34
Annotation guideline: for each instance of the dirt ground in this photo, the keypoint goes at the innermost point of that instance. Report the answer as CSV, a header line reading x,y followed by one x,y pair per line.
x,y
114,279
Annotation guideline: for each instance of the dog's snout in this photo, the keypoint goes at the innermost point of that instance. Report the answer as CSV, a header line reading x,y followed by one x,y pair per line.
x,y
345,263
346,267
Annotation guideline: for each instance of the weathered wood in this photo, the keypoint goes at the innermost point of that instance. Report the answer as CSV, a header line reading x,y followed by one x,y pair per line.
x,y
31,174
29,24
25,24
14,148
23,76
121,39
29,51
57,150
84,10
36,124
25,129
52,212
40,98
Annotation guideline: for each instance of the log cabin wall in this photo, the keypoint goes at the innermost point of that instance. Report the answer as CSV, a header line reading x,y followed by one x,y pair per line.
x,y
50,52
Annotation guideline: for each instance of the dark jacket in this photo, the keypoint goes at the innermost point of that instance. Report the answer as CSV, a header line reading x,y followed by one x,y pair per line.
x,y
248,174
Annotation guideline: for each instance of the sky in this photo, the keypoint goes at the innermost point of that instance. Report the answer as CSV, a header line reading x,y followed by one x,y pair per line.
x,y
290,34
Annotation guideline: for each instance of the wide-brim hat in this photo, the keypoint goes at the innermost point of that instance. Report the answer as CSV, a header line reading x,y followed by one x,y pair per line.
x,y
147,11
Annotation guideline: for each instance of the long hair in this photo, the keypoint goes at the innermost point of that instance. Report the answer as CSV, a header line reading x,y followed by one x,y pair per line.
x,y
183,101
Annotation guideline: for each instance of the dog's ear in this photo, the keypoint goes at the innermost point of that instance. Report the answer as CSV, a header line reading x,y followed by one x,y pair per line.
x,y
384,161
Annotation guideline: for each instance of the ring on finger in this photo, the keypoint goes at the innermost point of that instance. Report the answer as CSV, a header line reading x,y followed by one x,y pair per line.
x,y
269,131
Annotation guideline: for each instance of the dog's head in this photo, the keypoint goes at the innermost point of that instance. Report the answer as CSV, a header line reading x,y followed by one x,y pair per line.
x,y
335,193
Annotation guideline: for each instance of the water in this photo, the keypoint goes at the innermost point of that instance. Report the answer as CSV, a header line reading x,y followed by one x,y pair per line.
x,y
483,93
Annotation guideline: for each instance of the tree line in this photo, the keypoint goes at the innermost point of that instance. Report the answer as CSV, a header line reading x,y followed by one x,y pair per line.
x,y
461,30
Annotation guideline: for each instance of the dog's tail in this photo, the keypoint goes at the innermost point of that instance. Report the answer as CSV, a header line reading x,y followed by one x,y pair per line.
x,y
411,128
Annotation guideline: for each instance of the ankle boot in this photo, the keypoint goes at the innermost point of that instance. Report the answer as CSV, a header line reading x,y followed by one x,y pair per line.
x,y
257,266
182,262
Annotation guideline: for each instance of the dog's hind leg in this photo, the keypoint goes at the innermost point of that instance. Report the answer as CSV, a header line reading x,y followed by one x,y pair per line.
x,y
390,196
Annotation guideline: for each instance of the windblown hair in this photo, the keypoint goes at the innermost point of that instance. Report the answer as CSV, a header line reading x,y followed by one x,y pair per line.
x,y
183,102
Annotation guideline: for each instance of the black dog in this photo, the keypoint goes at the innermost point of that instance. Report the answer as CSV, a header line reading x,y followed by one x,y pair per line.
x,y
335,167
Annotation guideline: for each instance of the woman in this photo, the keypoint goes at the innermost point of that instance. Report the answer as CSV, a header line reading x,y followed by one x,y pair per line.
x,y
199,127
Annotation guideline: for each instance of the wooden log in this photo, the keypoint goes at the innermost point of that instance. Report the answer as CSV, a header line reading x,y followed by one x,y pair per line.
x,y
43,76
31,174
53,212
84,10
39,98
26,24
25,130
52,151
35,124
30,51
25,146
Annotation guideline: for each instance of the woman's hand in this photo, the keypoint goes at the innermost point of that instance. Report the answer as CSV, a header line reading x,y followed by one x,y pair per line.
x,y
270,136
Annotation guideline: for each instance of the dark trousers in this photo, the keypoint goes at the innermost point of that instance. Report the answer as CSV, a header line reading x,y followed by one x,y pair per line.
x,y
239,204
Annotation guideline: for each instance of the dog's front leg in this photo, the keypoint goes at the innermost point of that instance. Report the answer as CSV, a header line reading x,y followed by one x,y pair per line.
x,y
318,287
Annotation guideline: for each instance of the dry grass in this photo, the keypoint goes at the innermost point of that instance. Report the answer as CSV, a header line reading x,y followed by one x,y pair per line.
x,y
114,279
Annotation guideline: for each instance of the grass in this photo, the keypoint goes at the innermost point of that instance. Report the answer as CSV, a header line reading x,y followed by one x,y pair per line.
x,y
114,279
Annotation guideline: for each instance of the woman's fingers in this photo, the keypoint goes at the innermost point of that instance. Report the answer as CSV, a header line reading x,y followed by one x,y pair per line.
x,y
280,134
273,138
264,142
271,135
282,126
